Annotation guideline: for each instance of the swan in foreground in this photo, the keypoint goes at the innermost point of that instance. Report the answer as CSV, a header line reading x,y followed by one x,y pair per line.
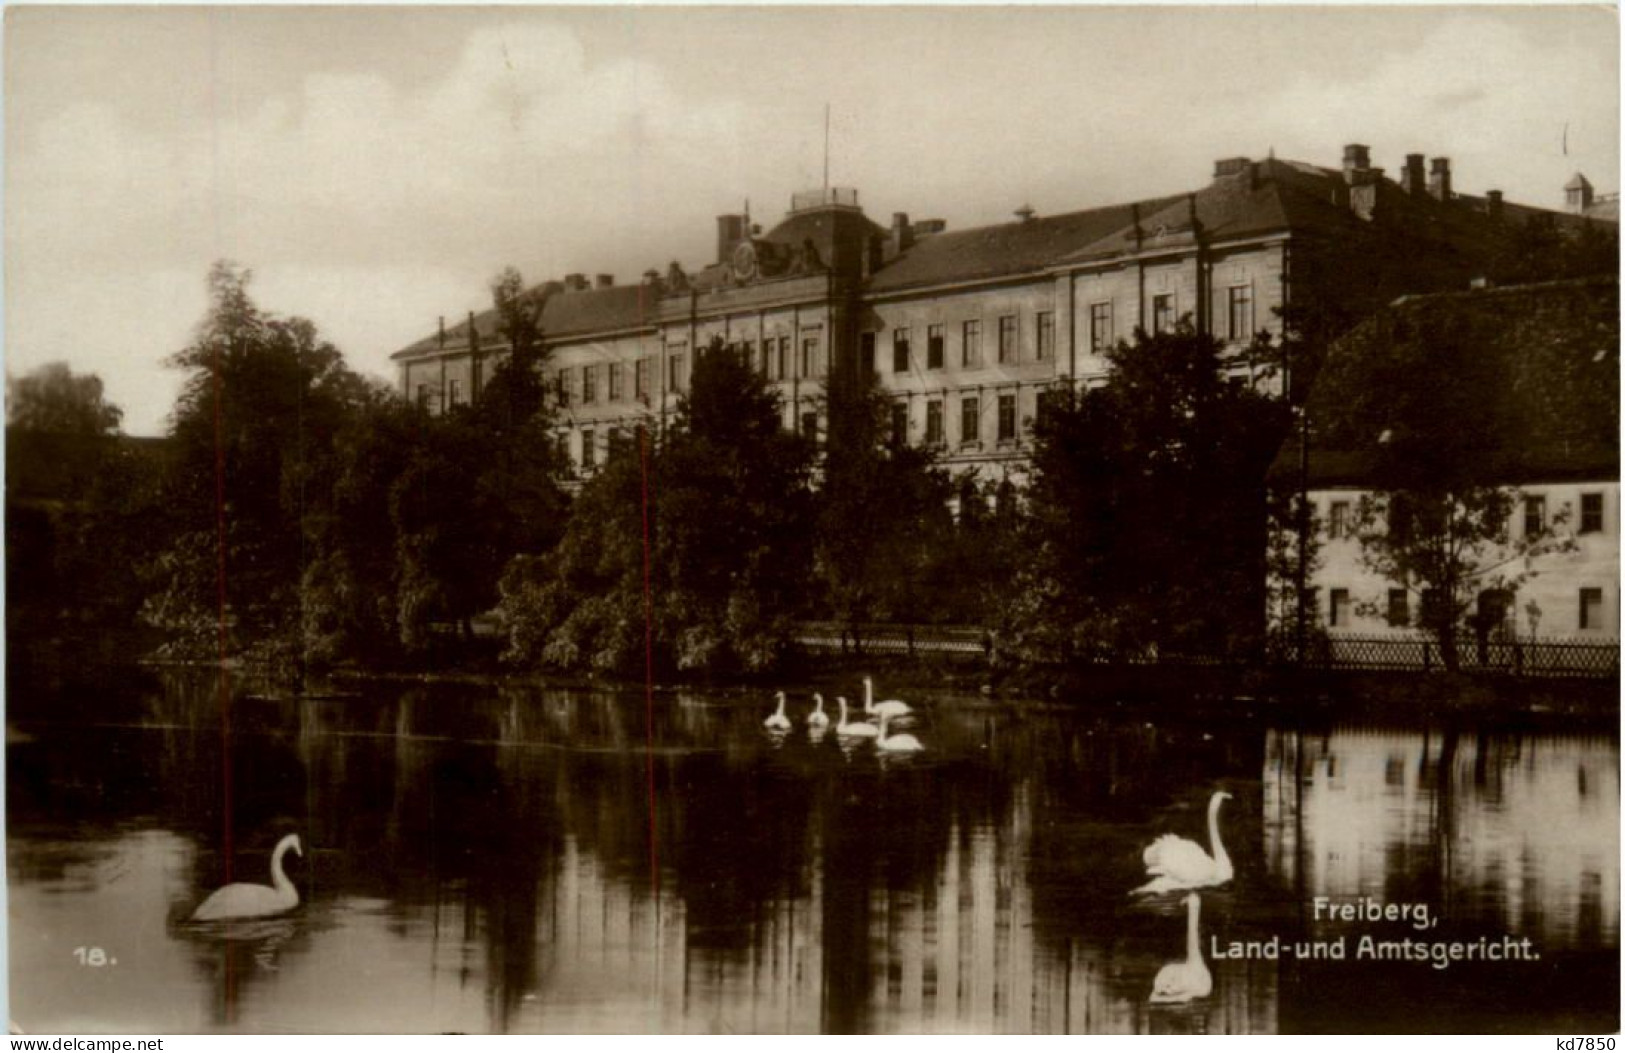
x,y
1175,863
896,743
891,707
241,899
1183,981
778,721
860,730
818,718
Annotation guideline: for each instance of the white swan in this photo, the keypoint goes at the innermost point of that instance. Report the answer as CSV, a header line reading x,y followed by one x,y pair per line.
x,y
1175,863
896,743
818,718
1183,981
778,721
891,707
860,730
241,899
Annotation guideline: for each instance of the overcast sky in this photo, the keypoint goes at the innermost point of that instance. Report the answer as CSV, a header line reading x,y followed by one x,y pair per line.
x,y
376,166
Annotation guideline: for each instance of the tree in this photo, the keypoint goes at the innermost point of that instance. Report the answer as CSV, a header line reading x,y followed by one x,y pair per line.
x,y
253,433
480,486
727,498
1145,517
734,498
349,590
54,399
883,515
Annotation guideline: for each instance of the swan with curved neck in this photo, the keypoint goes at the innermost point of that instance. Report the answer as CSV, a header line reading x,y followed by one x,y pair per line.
x,y
778,721
896,743
860,730
818,718
891,707
242,899
1183,981
1175,863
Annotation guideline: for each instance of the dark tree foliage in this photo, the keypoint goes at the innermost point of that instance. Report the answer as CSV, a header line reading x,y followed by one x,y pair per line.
x,y
350,581
1146,512
481,486
55,399
734,505
1538,250
253,431
81,502
883,521
728,506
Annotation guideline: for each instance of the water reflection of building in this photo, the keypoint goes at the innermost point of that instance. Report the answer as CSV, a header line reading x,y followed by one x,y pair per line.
x,y
1503,834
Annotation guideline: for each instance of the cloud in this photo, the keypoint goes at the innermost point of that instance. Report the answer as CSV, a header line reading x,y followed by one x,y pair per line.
x,y
368,207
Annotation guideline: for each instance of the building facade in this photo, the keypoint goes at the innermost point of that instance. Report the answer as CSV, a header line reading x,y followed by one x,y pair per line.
x,y
966,330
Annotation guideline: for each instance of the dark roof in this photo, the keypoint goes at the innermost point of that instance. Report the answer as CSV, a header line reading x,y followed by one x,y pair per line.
x,y
1544,365
1008,248
565,313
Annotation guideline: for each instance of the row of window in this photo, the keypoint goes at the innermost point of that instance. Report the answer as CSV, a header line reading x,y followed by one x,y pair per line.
x,y
774,359
582,384
1340,516
618,438
970,421
1494,608
1239,319
1535,521
970,344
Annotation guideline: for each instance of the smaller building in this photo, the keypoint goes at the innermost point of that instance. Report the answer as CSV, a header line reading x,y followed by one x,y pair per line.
x,y
1534,409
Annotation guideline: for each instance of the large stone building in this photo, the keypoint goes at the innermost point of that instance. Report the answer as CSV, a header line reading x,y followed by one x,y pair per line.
x,y
966,329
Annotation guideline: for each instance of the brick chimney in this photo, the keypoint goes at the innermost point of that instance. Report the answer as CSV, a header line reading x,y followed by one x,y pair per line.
x,y
900,237
1415,180
901,232
1356,158
575,283
1439,180
731,230
604,281
1495,206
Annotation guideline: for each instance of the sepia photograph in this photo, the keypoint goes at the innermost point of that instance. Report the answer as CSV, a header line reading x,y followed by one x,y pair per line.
x,y
690,520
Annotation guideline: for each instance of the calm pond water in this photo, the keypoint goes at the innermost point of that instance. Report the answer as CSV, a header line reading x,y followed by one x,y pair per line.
x,y
485,860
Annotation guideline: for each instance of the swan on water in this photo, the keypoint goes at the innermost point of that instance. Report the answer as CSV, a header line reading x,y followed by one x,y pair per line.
x,y
1175,863
891,707
778,721
896,743
818,718
242,899
860,730
1183,981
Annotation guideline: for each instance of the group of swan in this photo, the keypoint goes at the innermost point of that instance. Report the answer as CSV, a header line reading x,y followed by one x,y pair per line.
x,y
1179,864
876,725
